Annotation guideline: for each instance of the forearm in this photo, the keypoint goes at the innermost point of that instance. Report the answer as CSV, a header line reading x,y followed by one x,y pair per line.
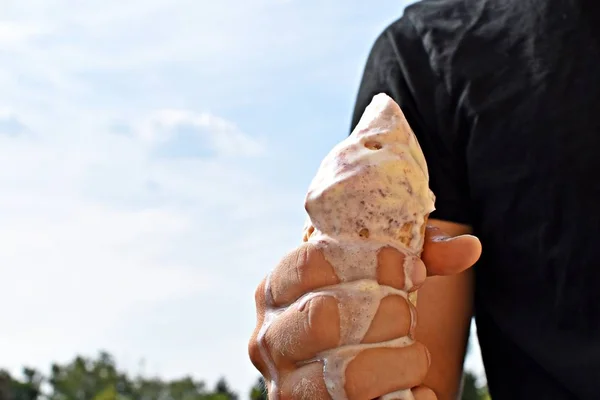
x,y
445,308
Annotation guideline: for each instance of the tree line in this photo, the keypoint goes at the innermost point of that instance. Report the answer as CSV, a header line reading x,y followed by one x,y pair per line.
x,y
99,379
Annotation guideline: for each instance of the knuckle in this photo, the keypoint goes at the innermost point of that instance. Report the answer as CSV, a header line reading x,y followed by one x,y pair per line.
x,y
302,259
301,268
255,355
293,276
302,331
259,293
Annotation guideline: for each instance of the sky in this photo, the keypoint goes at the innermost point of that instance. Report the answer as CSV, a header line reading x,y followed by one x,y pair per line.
x,y
154,156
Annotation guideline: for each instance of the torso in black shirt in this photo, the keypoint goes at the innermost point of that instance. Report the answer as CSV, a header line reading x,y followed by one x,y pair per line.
x,y
504,97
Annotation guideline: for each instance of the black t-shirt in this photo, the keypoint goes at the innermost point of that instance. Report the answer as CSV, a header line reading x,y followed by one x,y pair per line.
x,y
504,96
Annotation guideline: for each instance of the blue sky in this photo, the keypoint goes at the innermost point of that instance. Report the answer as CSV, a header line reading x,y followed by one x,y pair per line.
x,y
154,156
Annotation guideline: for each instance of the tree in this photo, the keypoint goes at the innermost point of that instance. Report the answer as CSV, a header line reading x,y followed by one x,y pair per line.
x,y
222,388
259,390
187,389
98,378
84,378
109,393
470,391
27,389
5,385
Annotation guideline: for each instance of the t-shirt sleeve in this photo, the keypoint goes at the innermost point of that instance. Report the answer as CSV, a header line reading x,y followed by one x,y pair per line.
x,y
400,66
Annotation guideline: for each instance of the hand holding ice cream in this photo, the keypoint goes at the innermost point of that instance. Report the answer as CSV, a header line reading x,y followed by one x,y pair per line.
x,y
334,317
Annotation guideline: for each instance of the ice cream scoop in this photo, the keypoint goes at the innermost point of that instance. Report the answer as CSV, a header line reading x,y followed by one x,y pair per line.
x,y
375,183
371,191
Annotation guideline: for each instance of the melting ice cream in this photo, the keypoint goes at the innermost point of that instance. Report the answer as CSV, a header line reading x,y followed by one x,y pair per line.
x,y
371,191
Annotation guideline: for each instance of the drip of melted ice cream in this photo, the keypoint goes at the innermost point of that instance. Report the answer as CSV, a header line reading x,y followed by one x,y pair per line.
x,y
371,191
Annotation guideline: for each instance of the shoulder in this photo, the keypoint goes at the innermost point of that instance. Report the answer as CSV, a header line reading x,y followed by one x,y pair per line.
x,y
461,35
452,19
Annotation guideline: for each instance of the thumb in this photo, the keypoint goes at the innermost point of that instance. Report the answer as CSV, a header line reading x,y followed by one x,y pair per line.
x,y
447,255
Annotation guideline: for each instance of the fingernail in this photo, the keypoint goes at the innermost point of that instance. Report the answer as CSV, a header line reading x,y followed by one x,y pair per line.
x,y
443,238
428,356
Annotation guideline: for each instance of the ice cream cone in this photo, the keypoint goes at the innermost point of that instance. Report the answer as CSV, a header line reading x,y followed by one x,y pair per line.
x,y
371,190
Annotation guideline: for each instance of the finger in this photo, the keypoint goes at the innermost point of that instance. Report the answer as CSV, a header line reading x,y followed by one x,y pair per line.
x,y
380,370
260,297
301,271
393,267
423,393
446,255
395,318
306,269
304,330
254,350
371,374
308,328
305,383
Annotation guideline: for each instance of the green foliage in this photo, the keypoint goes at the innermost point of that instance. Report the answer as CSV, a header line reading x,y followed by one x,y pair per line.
x,y
26,389
222,388
471,391
100,379
259,390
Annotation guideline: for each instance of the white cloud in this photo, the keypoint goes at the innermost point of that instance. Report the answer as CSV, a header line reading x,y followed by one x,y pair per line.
x,y
10,124
13,34
97,230
222,136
